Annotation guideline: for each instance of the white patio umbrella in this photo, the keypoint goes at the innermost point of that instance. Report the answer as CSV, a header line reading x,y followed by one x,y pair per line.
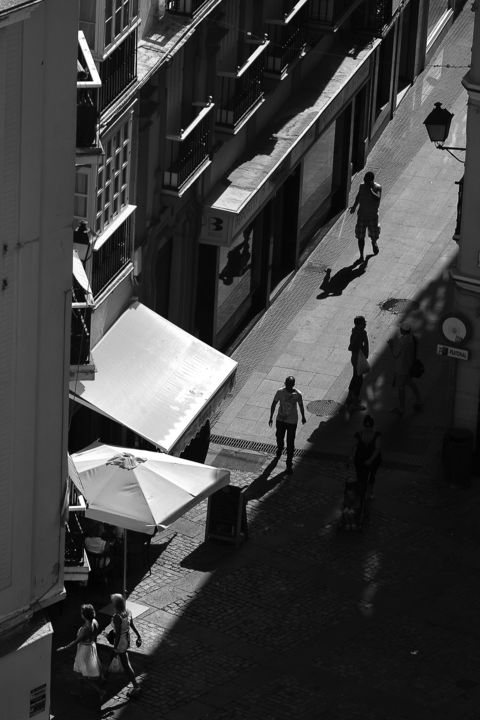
x,y
140,490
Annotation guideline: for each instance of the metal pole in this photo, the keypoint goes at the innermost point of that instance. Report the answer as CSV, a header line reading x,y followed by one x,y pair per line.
x,y
125,564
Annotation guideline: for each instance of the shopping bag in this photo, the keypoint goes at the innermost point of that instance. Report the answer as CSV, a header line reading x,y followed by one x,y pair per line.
x,y
362,364
115,666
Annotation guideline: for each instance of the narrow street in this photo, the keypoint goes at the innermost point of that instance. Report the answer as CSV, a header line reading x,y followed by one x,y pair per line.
x,y
303,621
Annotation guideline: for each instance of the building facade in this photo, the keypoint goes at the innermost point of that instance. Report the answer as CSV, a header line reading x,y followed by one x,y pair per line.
x,y
243,160
38,47
116,342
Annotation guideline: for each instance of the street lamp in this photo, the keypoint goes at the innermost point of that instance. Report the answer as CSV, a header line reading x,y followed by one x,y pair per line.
x,y
438,124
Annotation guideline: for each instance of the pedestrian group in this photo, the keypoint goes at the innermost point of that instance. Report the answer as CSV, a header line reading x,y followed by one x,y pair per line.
x,y
87,665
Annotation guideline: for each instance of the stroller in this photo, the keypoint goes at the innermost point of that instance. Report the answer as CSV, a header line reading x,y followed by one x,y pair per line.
x,y
355,505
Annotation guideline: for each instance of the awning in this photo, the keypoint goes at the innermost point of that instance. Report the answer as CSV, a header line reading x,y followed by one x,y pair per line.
x,y
155,379
236,200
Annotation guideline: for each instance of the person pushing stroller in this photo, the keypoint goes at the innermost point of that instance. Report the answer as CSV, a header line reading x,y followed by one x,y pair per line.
x,y
359,489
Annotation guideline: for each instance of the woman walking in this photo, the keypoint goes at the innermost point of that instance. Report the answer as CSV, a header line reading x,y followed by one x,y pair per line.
x,y
359,348
87,664
122,621
367,455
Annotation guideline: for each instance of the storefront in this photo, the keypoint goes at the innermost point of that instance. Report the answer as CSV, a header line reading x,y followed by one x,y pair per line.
x,y
257,222
439,16
397,61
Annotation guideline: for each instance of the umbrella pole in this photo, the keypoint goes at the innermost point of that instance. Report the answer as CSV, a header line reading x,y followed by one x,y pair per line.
x,y
125,564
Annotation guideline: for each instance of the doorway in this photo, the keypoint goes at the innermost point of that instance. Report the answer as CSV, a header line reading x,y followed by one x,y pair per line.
x,y
408,37
284,236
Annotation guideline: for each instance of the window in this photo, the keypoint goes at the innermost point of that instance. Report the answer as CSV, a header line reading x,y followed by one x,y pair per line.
x,y
82,182
105,22
119,15
113,175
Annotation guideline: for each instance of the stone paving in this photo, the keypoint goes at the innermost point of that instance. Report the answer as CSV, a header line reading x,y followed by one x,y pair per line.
x,y
304,621
306,334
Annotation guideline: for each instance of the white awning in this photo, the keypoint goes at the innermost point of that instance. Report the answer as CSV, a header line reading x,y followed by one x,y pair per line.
x,y
155,379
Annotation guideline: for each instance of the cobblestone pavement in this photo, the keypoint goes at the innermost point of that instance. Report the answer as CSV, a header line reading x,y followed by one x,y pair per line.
x,y
304,621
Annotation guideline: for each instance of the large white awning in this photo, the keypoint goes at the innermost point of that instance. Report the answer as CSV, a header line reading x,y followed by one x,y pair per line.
x,y
155,379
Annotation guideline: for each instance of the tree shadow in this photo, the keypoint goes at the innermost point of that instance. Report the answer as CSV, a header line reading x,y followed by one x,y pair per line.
x,y
336,284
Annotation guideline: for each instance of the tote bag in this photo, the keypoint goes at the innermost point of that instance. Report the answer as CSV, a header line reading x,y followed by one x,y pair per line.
x,y
362,364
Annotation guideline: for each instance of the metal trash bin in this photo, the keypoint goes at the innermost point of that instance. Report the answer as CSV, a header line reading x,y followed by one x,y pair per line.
x,y
457,456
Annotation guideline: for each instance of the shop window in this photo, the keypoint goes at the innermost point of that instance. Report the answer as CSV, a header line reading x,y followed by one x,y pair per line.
x,y
234,279
317,181
436,9
384,81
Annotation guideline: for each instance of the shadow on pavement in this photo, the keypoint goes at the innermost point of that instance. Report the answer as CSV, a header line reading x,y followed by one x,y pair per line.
x,y
336,284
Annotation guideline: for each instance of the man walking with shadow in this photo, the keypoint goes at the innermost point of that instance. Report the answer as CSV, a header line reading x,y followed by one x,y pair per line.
x,y
287,418
368,201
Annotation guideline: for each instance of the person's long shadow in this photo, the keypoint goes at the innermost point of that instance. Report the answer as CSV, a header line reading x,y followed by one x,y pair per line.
x,y
263,483
336,284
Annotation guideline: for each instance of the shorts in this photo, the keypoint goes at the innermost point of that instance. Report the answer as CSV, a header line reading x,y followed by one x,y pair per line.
x,y
370,224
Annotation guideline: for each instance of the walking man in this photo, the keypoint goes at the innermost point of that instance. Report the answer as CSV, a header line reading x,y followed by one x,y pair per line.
x,y
403,350
368,201
287,418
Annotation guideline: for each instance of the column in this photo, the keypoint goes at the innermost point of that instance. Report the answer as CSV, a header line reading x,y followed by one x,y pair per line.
x,y
466,275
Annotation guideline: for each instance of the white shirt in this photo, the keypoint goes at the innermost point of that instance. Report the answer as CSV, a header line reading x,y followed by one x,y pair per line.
x,y
288,405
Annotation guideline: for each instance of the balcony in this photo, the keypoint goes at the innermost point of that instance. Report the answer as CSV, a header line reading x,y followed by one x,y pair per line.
x,y
82,305
330,15
290,10
379,15
113,253
88,147
76,566
80,336
118,71
288,44
189,152
241,91
185,7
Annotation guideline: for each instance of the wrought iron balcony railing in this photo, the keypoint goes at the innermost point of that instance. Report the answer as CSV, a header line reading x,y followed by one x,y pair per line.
x,y
287,44
189,151
379,14
80,334
112,256
241,92
185,7
290,10
118,71
331,14
74,541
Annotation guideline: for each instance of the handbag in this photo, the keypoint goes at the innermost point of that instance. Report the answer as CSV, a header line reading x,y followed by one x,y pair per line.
x,y
363,366
110,635
417,369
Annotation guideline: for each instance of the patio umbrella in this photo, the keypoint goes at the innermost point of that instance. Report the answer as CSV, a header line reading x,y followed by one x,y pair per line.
x,y
141,490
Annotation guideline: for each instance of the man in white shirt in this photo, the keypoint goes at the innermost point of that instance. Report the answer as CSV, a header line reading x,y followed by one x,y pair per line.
x,y
368,200
287,418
